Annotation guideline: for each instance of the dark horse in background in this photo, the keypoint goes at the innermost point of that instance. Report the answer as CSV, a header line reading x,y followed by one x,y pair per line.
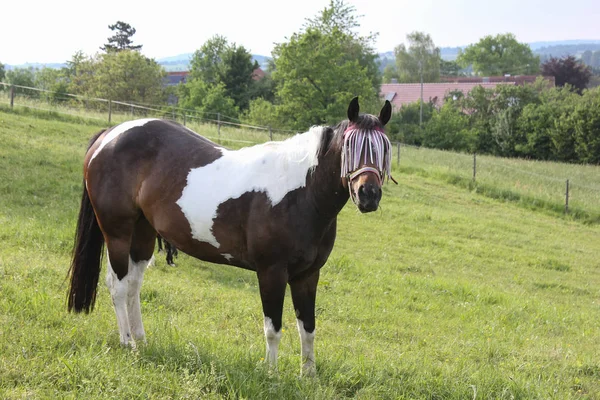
x,y
270,208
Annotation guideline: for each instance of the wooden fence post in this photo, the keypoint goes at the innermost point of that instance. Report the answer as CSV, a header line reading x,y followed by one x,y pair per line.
x,y
398,155
474,166
219,125
567,198
184,118
12,96
270,133
109,111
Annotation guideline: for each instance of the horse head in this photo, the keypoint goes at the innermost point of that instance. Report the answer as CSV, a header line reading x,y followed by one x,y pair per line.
x,y
366,155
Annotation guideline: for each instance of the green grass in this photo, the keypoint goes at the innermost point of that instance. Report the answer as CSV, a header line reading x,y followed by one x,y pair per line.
x,y
535,185
442,294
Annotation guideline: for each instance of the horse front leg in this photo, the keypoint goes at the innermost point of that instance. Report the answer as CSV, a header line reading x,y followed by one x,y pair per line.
x,y
304,292
272,282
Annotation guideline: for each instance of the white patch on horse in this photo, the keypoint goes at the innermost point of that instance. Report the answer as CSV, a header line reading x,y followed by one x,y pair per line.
x,y
273,338
117,130
134,312
227,256
274,168
307,341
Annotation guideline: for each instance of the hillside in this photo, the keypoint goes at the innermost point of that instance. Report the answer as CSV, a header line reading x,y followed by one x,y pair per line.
x,y
555,48
443,293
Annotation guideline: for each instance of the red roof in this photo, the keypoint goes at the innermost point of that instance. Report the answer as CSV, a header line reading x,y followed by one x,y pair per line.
x,y
258,74
400,94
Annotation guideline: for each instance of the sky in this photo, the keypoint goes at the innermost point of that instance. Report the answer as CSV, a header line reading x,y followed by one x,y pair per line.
x,y
52,31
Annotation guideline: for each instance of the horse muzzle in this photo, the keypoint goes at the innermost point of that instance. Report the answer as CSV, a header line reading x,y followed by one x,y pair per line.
x,y
368,197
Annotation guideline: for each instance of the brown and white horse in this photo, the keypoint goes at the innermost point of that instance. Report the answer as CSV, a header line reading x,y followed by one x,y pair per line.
x,y
270,208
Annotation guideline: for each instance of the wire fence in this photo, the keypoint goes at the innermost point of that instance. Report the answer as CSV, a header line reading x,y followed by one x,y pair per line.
x,y
114,111
573,188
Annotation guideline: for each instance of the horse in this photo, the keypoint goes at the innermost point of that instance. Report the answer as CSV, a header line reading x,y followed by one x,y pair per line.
x,y
169,249
270,208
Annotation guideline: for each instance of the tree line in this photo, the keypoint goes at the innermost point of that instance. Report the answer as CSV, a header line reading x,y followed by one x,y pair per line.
x,y
312,76
530,121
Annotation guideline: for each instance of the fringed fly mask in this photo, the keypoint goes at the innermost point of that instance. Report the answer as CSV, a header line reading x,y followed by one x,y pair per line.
x,y
363,146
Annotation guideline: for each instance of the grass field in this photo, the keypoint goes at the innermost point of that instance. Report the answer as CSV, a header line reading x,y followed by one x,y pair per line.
x,y
442,294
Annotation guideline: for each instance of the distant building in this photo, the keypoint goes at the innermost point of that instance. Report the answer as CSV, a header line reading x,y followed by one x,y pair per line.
x,y
400,94
175,78
258,74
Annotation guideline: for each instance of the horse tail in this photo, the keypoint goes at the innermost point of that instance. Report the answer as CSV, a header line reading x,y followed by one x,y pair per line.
x,y
87,255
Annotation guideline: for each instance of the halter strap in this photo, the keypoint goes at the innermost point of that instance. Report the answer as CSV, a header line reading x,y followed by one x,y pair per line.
x,y
362,170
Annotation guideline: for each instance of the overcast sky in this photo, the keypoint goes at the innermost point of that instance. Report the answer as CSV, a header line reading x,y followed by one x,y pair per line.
x,y
52,31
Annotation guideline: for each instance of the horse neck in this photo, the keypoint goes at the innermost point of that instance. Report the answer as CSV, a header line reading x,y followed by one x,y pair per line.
x,y
326,189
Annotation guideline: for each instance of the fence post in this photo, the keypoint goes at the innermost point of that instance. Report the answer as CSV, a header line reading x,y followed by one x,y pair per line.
x,y
474,166
12,96
219,125
184,118
131,110
270,133
567,198
109,111
398,155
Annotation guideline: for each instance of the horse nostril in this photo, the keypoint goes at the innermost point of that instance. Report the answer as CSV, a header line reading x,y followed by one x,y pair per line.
x,y
361,190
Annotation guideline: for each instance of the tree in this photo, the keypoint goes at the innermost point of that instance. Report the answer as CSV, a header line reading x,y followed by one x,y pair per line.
x,y
499,55
207,62
2,72
546,125
262,113
218,62
53,80
586,120
208,99
341,17
320,69
80,73
128,76
421,57
389,74
121,40
449,68
568,70
404,124
22,77
448,129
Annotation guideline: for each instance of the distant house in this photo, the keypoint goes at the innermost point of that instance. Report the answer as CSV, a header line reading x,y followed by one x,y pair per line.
x,y
174,78
258,74
400,94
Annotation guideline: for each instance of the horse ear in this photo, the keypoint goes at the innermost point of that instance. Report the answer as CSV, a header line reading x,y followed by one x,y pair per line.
x,y
353,110
386,113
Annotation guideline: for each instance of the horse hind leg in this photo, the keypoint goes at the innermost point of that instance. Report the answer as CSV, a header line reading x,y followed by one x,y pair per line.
x,y
141,255
117,280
